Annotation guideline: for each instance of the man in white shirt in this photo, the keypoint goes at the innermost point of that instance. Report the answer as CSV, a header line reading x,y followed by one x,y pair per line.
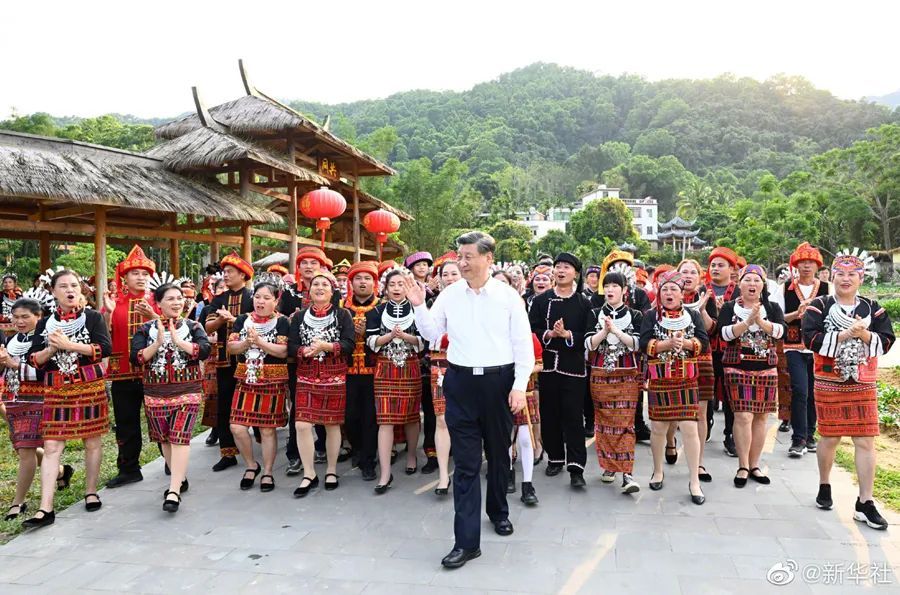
x,y
490,357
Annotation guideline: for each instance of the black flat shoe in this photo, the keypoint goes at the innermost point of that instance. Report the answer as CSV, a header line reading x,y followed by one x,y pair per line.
x,y
92,506
511,482
698,500
553,469
763,479
247,482
671,459
266,486
705,477
393,456
63,481
303,490
540,459
785,426
185,486
23,508
657,485
166,470
36,522
383,487
412,470
740,482
529,498
332,485
576,480
124,479
344,454
171,505
213,437
430,466
503,527
443,491
458,557
225,463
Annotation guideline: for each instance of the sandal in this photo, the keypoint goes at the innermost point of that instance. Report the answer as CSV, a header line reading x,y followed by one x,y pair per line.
x,y
247,482
64,479
92,506
705,476
265,486
23,507
763,479
331,485
672,458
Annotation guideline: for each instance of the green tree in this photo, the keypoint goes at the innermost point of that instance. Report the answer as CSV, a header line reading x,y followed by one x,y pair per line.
x,y
655,143
510,230
80,258
603,218
554,242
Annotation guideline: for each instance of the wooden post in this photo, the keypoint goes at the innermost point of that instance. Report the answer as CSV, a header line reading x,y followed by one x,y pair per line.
x,y
246,245
45,250
100,250
174,249
292,231
356,256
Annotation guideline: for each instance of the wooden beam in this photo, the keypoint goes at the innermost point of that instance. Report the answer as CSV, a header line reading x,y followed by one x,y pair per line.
x,y
166,234
36,226
272,235
100,251
269,192
292,215
50,215
211,223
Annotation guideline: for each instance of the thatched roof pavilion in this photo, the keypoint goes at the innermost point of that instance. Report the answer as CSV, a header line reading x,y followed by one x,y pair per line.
x,y
55,189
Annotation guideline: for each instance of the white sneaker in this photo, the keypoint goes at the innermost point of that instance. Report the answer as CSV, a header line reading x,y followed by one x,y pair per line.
x,y
629,485
608,477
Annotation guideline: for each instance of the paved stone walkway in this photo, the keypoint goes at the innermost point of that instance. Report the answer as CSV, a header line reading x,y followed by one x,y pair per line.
x,y
350,541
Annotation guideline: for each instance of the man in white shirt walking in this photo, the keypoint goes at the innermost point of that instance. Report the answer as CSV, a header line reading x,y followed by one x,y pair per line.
x,y
490,357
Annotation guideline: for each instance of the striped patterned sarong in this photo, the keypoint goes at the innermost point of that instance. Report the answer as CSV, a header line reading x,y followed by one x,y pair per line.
x,y
438,369
752,391
532,398
172,419
706,380
210,417
76,411
615,395
398,392
321,393
846,408
25,424
260,404
784,384
673,391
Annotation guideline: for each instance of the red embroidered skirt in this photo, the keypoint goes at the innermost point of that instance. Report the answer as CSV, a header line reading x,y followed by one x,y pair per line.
x,y
615,395
846,408
321,393
706,381
76,411
172,419
752,392
259,404
533,402
398,392
25,424
438,369
210,417
673,392
784,384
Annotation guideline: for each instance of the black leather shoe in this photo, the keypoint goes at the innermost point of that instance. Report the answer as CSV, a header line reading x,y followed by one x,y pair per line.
x,y
430,466
503,527
303,490
511,483
368,474
21,509
49,518
383,487
171,505
185,486
247,482
213,437
553,469
577,480
225,463
656,485
266,486
698,500
332,485
458,557
705,477
92,506
166,469
785,426
443,491
63,481
124,479
529,498
763,479
740,482
672,453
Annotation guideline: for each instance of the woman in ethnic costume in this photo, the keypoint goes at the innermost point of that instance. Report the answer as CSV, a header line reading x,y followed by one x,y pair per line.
x,y
526,425
391,333
612,341
11,292
672,337
449,273
751,325
170,350
259,340
847,333
541,280
696,297
322,337
69,348
23,397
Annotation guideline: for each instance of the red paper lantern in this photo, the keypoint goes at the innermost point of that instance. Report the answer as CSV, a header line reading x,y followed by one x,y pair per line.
x,y
323,205
381,223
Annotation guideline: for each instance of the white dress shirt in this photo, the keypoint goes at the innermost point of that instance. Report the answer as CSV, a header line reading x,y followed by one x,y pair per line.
x,y
485,328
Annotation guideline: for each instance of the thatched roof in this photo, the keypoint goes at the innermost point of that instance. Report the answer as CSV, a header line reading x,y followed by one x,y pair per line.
x,y
252,115
208,148
36,167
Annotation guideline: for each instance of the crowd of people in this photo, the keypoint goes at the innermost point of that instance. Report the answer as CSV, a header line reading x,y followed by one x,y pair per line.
x,y
359,359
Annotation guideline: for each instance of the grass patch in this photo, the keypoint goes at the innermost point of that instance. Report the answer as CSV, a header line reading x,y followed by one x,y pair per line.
x,y
887,469
73,455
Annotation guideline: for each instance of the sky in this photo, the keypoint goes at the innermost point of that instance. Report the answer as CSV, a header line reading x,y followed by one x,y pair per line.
x,y
89,58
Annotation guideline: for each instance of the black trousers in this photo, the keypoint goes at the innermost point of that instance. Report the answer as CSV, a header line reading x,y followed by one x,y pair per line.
x,y
430,417
588,406
803,399
127,400
226,383
478,417
290,449
562,420
362,430
719,374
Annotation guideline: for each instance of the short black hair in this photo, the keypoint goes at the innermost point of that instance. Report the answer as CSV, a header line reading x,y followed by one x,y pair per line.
x,y
160,292
484,242
29,304
62,273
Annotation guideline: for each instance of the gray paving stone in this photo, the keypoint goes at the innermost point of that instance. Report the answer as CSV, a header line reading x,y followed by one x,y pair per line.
x,y
269,583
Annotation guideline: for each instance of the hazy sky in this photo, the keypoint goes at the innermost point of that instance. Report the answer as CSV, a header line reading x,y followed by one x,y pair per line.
x,y
89,58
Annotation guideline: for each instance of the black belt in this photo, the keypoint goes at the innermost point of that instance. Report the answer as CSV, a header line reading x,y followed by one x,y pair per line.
x,y
481,371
